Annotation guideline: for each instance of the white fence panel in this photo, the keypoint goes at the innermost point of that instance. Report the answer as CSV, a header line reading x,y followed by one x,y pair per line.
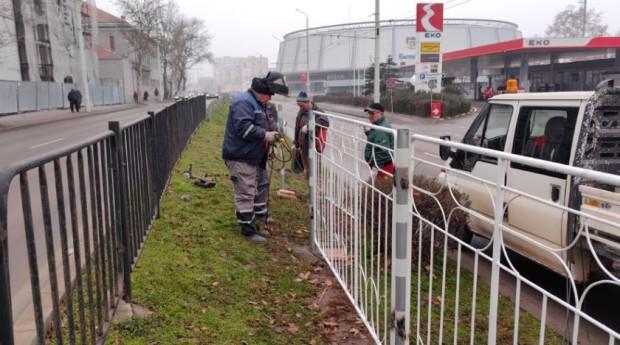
x,y
8,97
42,95
27,96
459,293
56,96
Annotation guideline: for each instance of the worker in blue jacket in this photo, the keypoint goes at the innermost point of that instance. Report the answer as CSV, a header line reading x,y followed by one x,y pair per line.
x,y
244,149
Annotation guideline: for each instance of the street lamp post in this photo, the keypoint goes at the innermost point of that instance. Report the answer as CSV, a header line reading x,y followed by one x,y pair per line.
x,y
307,53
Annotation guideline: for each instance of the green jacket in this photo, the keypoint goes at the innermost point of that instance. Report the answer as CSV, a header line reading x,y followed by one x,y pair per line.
x,y
382,157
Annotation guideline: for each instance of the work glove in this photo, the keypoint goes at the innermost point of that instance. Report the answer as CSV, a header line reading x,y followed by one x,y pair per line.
x,y
304,129
271,136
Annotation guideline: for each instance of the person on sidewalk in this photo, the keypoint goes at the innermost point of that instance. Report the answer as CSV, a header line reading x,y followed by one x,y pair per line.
x,y
375,152
244,149
135,96
75,99
261,205
302,139
145,96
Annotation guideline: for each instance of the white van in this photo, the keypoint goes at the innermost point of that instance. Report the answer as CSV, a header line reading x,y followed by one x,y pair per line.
x,y
580,129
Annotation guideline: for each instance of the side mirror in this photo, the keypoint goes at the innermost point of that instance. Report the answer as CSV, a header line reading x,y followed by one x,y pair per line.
x,y
444,151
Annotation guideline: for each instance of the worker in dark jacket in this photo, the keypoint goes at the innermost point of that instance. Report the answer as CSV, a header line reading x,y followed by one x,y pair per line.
x,y
302,138
376,152
244,149
262,188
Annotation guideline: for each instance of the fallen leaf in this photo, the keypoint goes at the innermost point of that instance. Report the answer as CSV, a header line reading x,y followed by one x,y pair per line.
x,y
304,276
331,323
215,284
292,328
253,303
328,282
354,331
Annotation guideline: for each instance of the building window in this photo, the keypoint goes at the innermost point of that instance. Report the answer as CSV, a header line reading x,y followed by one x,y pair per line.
x,y
43,33
112,45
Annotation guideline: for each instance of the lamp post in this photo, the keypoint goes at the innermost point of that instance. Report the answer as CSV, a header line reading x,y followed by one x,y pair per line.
x,y
307,53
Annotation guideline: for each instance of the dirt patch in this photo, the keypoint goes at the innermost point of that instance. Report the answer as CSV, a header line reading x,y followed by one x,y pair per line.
x,y
341,324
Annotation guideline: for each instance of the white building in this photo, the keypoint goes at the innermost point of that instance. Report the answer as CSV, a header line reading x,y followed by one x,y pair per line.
x,y
38,41
235,74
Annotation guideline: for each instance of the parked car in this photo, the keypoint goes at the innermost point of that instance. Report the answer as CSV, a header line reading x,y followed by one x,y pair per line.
x,y
183,95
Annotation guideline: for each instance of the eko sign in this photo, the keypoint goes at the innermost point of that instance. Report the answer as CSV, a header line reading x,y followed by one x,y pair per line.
x,y
429,17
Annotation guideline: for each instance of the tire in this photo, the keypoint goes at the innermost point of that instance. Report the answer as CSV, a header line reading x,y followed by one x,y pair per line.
x,y
463,233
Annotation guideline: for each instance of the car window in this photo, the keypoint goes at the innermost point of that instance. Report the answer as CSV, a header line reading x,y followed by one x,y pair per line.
x,y
545,133
489,130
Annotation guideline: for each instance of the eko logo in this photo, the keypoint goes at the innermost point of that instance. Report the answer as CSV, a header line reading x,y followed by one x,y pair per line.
x,y
429,17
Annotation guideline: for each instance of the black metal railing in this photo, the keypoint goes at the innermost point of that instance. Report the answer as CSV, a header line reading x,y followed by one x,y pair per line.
x,y
86,210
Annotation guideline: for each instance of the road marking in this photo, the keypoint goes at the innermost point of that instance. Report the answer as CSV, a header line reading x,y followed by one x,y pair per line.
x,y
432,155
47,143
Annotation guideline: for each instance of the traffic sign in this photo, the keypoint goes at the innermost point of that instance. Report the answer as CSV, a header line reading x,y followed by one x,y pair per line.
x,y
304,77
422,76
390,83
430,47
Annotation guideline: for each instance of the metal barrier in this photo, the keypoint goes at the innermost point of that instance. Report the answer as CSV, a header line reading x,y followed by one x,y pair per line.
x,y
78,217
404,259
23,96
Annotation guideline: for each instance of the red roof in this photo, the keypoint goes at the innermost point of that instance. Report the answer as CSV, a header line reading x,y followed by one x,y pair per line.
x,y
529,44
106,54
102,16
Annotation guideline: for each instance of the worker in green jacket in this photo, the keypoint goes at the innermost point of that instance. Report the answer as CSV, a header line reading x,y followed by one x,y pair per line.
x,y
380,144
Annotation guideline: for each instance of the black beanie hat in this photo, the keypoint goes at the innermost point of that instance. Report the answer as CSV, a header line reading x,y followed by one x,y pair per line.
x,y
260,85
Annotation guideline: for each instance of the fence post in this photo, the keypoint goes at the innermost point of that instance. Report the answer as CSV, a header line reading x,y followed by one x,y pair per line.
x,y
497,248
120,165
311,177
155,167
401,242
6,311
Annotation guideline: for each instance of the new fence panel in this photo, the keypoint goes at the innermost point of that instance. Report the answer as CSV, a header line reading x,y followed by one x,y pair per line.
x,y
506,284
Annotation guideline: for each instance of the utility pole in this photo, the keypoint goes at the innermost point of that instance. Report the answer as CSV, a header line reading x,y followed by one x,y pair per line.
x,y
307,53
377,95
585,18
80,39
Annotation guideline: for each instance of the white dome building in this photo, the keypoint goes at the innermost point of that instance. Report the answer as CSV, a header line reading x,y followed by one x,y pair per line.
x,y
339,54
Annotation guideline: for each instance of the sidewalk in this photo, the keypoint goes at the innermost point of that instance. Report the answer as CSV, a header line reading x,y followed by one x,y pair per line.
x,y
38,117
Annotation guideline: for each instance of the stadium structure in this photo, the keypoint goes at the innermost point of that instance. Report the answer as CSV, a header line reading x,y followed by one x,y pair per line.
x,y
475,53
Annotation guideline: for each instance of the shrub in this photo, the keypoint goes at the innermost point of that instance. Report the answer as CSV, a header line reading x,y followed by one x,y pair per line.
x,y
427,210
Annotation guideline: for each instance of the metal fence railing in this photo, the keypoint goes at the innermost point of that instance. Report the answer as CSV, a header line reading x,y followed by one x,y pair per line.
x,y
74,222
400,247
23,96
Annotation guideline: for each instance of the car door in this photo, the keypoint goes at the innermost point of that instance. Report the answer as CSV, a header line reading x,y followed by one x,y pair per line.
x,y
489,130
544,132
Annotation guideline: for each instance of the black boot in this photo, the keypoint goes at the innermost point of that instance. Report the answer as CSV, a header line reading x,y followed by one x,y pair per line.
x,y
263,233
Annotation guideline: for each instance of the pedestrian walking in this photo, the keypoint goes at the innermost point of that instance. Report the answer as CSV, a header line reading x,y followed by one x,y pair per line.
x,y
244,149
302,139
135,96
156,93
145,96
376,151
75,100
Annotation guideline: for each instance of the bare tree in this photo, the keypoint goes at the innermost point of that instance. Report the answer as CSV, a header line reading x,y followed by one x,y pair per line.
x,y
165,36
569,23
192,48
141,18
